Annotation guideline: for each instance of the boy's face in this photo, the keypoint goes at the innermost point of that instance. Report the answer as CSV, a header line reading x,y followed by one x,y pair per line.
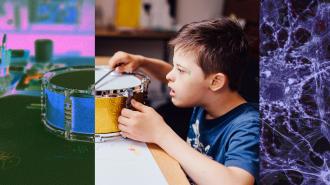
x,y
188,86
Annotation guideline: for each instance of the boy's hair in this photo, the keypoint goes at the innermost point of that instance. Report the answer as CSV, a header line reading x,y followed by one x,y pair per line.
x,y
219,44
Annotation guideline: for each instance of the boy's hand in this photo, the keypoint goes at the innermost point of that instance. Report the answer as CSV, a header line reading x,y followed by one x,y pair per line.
x,y
125,62
144,125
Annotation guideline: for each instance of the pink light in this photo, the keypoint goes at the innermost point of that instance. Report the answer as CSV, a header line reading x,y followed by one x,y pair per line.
x,y
82,45
9,16
68,39
52,27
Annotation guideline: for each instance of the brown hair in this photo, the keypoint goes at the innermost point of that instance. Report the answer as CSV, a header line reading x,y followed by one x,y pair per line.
x,y
220,46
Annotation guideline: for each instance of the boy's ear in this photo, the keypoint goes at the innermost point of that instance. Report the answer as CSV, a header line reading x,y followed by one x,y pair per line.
x,y
217,81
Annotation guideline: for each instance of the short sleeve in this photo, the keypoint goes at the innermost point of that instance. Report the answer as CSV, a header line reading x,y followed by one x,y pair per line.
x,y
243,147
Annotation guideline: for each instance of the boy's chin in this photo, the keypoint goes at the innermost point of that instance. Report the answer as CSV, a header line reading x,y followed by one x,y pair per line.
x,y
180,104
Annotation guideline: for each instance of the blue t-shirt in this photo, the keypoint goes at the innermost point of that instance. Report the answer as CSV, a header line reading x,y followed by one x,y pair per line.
x,y
231,139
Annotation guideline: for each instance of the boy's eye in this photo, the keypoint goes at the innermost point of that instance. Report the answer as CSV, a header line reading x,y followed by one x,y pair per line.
x,y
180,70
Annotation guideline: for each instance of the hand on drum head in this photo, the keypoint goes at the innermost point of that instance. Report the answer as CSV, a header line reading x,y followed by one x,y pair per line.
x,y
144,124
125,62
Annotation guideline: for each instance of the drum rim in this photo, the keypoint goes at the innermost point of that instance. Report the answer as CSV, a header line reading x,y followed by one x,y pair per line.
x,y
142,87
75,136
46,84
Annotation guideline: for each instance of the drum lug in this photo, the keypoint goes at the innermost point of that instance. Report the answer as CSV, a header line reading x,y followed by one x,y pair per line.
x,y
67,114
129,93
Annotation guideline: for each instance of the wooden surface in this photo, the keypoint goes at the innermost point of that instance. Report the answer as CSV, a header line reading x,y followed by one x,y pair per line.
x,y
169,166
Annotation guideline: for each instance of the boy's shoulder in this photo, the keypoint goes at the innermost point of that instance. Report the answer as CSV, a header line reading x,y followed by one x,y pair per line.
x,y
246,115
242,113
247,111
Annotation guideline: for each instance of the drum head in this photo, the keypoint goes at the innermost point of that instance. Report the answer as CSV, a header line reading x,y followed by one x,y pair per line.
x,y
115,80
77,79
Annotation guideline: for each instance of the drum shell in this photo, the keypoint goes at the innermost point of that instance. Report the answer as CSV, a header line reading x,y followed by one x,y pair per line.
x,y
81,110
108,110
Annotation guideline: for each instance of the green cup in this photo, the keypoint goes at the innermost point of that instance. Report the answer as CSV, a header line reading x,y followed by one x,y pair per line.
x,y
43,50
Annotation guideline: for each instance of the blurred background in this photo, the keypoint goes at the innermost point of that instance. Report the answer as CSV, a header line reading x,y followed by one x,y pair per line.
x,y
40,35
37,36
145,26
68,23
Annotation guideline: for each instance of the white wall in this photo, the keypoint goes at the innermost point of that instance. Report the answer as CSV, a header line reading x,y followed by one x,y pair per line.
x,y
187,10
107,12
196,10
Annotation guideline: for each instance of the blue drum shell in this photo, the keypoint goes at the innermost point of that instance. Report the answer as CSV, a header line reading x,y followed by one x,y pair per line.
x,y
81,112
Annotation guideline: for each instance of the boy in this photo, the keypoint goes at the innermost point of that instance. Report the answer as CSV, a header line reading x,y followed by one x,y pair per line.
x,y
223,139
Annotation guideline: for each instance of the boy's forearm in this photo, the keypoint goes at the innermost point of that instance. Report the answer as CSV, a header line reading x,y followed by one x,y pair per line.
x,y
156,68
199,167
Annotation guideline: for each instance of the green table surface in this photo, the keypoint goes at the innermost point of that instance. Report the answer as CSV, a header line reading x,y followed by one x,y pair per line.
x,y
31,155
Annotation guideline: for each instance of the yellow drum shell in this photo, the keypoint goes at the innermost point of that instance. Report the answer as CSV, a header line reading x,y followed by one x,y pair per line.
x,y
107,111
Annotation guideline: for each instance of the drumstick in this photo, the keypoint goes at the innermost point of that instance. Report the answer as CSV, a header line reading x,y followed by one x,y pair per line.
x,y
104,76
93,85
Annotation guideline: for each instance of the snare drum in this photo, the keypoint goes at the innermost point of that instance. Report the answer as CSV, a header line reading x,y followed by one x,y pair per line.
x,y
114,93
75,111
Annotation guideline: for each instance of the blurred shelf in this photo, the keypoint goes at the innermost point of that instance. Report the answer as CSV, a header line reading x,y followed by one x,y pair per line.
x,y
134,34
107,39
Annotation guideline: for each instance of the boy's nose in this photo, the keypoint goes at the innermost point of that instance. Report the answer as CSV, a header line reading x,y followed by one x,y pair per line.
x,y
169,76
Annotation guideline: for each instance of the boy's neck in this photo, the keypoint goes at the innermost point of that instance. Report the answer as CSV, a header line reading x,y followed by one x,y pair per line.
x,y
220,104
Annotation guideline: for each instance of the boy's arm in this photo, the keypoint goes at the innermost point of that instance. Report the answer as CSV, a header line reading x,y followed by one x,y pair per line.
x,y
156,68
200,168
147,125
125,62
